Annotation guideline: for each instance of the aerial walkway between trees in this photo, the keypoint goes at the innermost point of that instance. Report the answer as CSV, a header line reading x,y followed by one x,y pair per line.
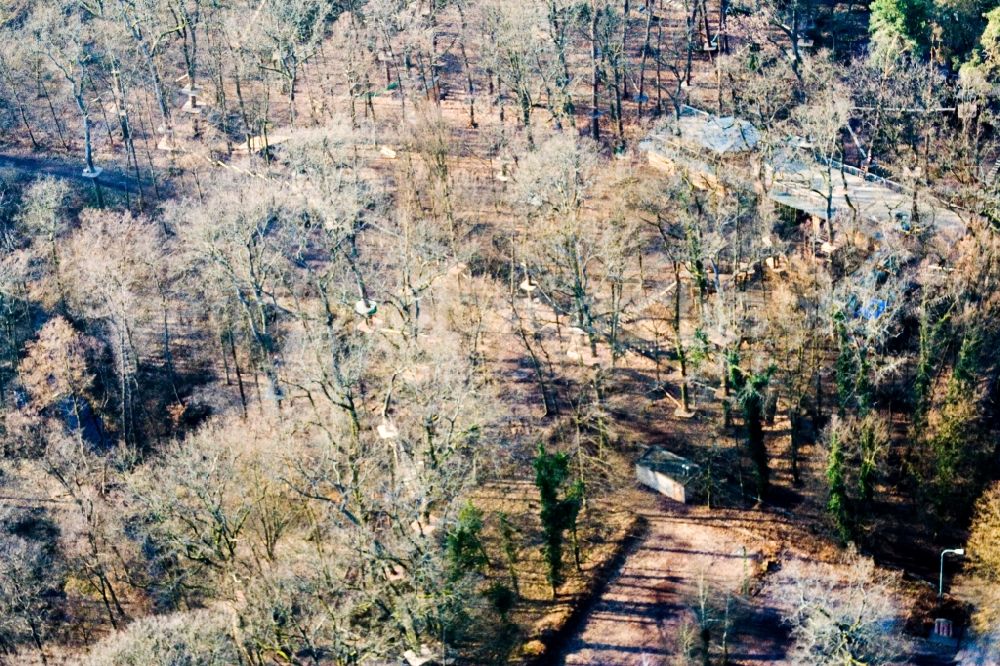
x,y
718,152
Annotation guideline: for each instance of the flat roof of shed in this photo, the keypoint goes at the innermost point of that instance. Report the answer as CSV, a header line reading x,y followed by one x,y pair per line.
x,y
700,131
660,460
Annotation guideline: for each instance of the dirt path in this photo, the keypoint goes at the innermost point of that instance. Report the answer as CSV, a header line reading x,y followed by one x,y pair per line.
x,y
645,611
48,166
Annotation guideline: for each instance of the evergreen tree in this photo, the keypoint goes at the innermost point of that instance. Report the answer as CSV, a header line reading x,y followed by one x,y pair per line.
x,y
958,451
838,503
751,394
464,544
507,543
846,367
905,23
557,515
868,448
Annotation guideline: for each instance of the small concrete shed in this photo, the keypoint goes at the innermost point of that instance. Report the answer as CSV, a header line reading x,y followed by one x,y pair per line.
x,y
667,473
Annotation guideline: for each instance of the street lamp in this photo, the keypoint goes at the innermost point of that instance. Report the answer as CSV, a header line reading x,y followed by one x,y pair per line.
x,y
953,551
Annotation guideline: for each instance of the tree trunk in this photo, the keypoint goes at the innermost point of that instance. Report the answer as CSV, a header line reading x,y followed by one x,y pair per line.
x,y
650,8
595,124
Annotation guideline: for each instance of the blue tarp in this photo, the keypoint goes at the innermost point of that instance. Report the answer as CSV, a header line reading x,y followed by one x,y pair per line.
x,y
874,309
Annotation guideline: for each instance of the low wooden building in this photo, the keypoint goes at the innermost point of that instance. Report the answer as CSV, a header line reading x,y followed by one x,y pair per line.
x,y
701,145
667,473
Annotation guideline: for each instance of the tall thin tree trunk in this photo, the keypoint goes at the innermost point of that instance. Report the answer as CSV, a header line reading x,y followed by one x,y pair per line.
x,y
595,122
650,8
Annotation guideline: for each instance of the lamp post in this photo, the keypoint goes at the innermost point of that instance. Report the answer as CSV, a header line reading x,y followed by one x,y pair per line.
x,y
953,551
